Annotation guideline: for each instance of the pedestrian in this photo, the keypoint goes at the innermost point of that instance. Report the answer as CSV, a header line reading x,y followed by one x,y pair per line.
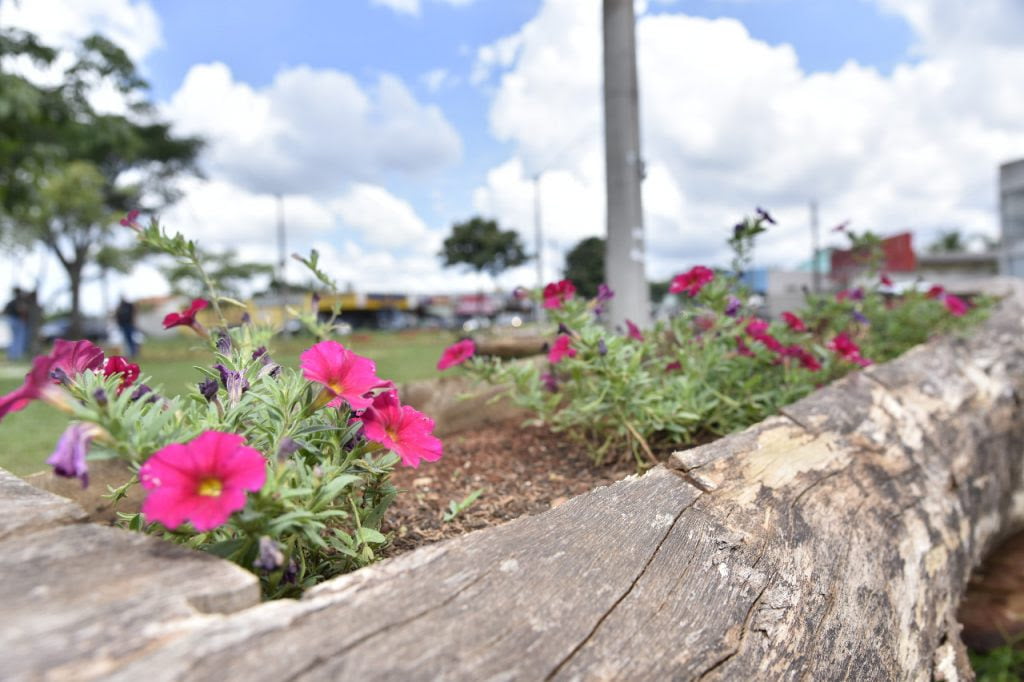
x,y
125,316
16,312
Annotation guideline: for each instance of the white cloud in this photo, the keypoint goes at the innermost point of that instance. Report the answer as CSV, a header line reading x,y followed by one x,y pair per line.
x,y
134,26
383,219
437,79
310,131
413,6
944,24
730,122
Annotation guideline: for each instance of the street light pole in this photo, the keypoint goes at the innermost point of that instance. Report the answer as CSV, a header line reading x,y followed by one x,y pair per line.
x,y
624,247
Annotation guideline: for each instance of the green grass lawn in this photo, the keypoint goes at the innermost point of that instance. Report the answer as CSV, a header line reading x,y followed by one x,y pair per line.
x,y
27,438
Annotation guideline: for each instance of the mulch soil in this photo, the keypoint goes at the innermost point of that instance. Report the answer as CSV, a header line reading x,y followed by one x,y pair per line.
x,y
520,470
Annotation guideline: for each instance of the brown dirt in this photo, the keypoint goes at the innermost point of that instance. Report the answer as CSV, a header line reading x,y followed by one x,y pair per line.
x,y
520,470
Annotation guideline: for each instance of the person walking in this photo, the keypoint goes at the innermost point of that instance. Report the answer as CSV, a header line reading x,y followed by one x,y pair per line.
x,y
125,316
16,312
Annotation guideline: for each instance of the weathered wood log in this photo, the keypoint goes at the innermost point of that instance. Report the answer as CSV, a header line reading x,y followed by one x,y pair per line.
x,y
832,541
512,346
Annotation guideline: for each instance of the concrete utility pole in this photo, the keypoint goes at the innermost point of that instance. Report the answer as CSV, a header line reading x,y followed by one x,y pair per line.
x,y
624,247
815,265
282,248
538,235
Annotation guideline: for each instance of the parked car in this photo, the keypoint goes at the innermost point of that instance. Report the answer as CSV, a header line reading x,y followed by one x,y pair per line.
x,y
95,329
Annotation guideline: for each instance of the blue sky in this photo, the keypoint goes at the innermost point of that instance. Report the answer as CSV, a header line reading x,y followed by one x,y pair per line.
x,y
383,121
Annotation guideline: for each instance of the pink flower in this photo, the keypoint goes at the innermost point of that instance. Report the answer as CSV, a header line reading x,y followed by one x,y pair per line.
x,y
188,317
956,306
68,359
692,281
345,375
456,354
673,366
129,371
557,293
742,348
632,331
794,322
935,292
757,327
561,349
848,349
704,323
68,459
401,429
885,280
202,481
131,220
806,358
851,294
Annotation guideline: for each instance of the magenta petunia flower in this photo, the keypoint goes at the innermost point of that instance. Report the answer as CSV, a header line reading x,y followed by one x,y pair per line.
x,y
456,354
557,293
633,331
935,292
956,306
401,429
692,281
732,308
67,360
345,375
848,349
794,322
604,293
131,220
187,317
806,358
203,481
742,348
673,366
756,327
129,371
560,349
68,459
885,280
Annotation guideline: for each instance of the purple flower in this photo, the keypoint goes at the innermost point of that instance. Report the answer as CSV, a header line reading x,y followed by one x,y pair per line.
x,y
246,318
733,307
602,348
69,457
270,557
259,352
859,316
208,388
764,215
604,293
141,390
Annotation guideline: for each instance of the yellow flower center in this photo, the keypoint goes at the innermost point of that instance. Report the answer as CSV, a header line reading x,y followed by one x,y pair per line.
x,y
210,487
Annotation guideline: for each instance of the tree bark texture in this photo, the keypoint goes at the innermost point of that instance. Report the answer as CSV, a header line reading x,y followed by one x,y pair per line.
x,y
833,541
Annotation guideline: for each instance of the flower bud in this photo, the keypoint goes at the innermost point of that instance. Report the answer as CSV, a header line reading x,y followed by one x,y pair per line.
x,y
100,396
223,343
270,557
208,388
286,448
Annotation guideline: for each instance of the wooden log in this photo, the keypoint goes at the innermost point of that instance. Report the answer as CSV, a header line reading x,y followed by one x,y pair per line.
x,y
833,541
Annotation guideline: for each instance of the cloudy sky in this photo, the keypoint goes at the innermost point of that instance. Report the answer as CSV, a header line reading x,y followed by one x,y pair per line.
x,y
383,121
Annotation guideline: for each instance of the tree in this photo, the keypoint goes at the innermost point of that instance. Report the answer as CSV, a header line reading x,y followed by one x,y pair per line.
x,y
948,242
483,246
224,269
584,265
67,170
